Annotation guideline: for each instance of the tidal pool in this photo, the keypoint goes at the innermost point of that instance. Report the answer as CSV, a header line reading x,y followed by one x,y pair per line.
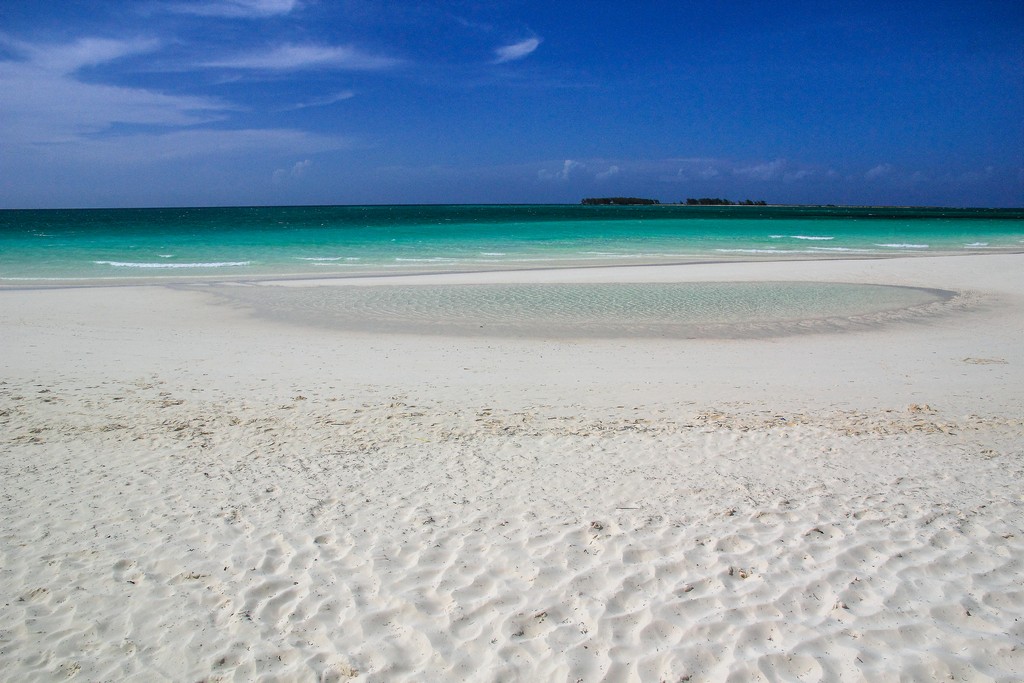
x,y
687,309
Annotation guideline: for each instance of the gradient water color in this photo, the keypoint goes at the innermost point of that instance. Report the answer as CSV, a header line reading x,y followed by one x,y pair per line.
x,y
259,242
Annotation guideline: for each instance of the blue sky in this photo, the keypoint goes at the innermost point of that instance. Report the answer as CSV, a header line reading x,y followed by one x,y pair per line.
x,y
238,102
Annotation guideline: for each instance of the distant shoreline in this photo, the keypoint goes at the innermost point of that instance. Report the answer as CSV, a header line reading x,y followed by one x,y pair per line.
x,y
175,207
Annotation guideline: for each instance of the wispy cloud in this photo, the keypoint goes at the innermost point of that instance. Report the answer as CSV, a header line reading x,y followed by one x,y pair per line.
x,y
694,169
703,170
44,102
322,101
188,144
70,57
509,53
49,113
243,9
298,57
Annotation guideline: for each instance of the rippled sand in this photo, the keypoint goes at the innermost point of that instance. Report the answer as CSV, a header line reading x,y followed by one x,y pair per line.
x,y
194,492
163,537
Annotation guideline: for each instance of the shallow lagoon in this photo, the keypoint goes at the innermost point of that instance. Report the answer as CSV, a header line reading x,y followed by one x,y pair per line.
x,y
688,309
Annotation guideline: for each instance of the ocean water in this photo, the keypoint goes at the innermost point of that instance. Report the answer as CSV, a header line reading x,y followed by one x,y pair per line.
x,y
240,243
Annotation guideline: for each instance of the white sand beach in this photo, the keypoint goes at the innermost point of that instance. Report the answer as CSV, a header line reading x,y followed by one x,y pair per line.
x,y
196,490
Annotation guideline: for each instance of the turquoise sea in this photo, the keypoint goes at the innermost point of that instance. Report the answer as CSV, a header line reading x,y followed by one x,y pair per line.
x,y
238,243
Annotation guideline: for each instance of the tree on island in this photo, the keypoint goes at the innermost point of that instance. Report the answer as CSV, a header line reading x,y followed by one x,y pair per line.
x,y
619,201
715,201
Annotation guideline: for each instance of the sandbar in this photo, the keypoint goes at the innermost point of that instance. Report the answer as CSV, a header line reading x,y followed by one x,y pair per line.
x,y
197,489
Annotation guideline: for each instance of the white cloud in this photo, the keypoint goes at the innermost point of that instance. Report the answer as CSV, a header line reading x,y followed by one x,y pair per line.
x,y
686,170
712,172
296,57
800,174
604,175
43,102
323,101
707,172
768,170
879,171
252,9
50,116
516,51
149,148
295,172
568,166
70,57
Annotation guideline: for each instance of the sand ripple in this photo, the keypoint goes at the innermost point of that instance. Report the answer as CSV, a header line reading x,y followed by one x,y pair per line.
x,y
152,536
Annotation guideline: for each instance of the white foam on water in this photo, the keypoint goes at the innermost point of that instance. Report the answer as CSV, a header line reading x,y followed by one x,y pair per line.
x,y
903,246
216,264
810,237
436,259
319,258
977,244
493,253
753,251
